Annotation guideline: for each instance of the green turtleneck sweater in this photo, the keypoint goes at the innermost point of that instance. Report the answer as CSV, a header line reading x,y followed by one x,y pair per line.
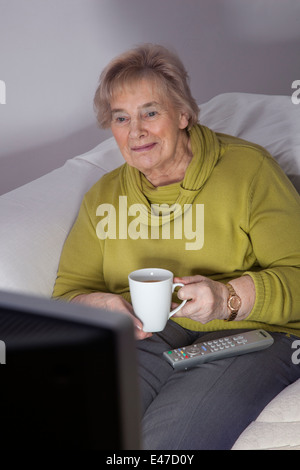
x,y
235,213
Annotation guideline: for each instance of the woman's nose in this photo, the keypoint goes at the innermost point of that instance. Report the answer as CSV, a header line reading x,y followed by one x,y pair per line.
x,y
137,129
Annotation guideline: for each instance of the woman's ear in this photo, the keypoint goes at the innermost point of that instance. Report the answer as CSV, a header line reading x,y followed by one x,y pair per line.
x,y
183,120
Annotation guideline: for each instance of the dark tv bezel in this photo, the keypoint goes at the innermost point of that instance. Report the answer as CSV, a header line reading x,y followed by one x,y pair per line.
x,y
39,331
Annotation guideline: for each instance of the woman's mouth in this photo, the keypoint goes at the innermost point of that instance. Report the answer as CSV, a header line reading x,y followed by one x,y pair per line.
x,y
143,148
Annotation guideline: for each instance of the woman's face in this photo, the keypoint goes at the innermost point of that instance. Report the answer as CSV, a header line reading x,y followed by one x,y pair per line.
x,y
148,129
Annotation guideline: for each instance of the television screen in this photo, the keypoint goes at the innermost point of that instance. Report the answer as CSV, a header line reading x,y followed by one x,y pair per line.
x,y
70,380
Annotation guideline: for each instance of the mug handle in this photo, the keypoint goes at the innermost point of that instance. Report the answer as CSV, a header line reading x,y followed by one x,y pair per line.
x,y
182,303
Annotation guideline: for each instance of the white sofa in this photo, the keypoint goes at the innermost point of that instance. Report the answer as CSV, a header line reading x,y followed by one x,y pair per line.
x,y
36,218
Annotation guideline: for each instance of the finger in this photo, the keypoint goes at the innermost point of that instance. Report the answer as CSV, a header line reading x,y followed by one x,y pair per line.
x,y
192,291
138,329
180,279
137,323
192,306
139,334
190,279
182,312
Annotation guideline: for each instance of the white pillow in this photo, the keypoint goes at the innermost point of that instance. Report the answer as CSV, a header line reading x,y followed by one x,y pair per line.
x,y
270,121
36,218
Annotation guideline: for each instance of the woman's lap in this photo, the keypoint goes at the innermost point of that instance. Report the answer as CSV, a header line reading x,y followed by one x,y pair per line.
x,y
207,407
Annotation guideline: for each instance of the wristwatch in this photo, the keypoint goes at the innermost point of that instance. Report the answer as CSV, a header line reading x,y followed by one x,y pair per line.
x,y
233,303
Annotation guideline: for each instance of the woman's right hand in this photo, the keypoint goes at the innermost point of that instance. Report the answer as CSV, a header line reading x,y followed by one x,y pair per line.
x,y
114,303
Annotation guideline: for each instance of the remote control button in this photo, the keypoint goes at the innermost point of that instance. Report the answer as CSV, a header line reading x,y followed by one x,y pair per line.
x,y
236,338
194,350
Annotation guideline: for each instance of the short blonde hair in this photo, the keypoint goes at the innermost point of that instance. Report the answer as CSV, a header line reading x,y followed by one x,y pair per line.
x,y
146,61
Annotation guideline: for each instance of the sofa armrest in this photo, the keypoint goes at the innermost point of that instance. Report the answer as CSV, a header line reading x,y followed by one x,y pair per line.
x,y
36,218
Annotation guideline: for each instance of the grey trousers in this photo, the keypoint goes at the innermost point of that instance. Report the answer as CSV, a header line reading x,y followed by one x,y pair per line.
x,y
209,406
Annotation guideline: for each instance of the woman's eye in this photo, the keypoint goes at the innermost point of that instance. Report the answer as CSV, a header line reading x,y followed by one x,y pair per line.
x,y
120,120
151,114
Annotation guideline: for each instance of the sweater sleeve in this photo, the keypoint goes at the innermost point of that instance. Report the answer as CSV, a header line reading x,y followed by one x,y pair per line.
x,y
80,267
274,230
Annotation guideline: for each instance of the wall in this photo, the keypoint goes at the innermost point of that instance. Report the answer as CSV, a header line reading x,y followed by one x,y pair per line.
x,y
52,52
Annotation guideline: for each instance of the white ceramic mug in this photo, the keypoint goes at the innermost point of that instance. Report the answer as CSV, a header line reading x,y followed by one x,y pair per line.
x,y
151,296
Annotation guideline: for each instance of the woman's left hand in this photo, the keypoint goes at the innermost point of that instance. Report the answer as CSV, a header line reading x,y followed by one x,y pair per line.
x,y
207,299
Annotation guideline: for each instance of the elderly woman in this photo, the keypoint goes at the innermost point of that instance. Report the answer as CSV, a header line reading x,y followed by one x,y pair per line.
x,y
244,274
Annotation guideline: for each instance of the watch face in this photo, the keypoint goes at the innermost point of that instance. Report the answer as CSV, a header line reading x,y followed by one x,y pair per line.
x,y
235,302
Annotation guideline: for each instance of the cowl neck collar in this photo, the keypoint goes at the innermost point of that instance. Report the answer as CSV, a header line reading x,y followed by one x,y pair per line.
x,y
206,151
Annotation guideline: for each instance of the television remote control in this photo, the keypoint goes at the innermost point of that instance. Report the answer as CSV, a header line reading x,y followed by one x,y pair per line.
x,y
233,345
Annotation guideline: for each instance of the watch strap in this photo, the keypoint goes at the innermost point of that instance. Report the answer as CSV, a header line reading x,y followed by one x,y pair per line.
x,y
233,311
